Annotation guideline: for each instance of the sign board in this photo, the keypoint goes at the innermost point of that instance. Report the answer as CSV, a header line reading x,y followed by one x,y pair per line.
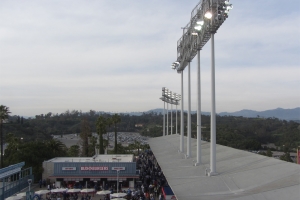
x,y
118,168
69,168
93,168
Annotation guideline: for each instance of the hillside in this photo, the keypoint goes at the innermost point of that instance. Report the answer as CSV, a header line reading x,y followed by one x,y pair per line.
x,y
280,113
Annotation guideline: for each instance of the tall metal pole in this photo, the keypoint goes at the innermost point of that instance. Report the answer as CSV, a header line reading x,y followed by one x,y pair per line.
x,y
181,117
199,114
167,119
213,112
117,181
176,117
188,151
1,137
171,119
164,126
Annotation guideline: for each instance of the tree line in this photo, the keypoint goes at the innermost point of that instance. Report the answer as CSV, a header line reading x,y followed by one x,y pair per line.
x,y
237,132
40,146
34,136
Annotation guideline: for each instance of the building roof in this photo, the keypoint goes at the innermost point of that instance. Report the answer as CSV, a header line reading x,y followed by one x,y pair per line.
x,y
96,158
241,175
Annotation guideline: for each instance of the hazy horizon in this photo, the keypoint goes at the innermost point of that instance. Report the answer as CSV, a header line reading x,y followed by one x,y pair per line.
x,y
174,108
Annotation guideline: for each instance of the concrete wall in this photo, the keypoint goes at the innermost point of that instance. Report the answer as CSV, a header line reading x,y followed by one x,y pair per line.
x,y
48,171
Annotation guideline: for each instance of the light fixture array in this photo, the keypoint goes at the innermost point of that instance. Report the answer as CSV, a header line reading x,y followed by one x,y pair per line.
x,y
206,18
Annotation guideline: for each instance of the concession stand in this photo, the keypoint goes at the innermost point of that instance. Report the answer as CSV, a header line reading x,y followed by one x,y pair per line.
x,y
100,171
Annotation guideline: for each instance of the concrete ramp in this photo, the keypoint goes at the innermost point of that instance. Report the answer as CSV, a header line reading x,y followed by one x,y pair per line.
x,y
241,175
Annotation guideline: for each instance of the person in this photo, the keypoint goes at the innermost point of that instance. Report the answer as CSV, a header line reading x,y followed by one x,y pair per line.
x,y
142,188
151,197
40,182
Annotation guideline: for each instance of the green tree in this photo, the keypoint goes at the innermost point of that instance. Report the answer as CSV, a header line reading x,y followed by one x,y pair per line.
x,y
109,123
101,129
56,148
269,153
84,135
286,157
4,113
115,120
135,146
33,153
11,150
92,145
73,151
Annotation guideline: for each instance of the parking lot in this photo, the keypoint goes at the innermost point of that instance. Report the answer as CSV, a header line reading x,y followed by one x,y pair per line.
x,y
125,138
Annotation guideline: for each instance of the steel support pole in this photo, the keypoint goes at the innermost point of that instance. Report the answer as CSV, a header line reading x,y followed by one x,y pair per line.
x,y
164,126
167,118
117,181
181,117
171,119
199,113
176,119
188,151
213,112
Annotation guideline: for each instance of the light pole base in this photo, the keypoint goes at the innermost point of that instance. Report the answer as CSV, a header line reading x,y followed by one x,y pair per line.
x,y
213,174
197,164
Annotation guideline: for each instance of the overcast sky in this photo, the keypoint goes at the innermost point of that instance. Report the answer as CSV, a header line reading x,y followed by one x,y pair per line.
x,y
115,55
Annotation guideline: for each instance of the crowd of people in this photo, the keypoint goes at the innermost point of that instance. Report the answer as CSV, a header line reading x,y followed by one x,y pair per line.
x,y
151,178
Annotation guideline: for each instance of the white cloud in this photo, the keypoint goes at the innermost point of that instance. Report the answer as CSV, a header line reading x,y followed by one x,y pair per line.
x,y
115,56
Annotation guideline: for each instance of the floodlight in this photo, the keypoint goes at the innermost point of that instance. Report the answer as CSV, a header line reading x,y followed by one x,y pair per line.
x,y
200,22
229,7
198,28
174,65
226,2
195,34
208,15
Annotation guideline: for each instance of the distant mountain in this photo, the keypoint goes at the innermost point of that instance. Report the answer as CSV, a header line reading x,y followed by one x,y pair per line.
x,y
160,110
280,113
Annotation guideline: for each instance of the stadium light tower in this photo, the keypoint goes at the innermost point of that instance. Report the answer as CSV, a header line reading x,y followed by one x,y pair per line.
x,y
164,127
168,97
206,18
178,98
175,66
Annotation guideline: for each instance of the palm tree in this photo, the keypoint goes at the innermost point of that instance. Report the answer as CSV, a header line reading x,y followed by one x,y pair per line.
x,y
101,128
4,113
56,148
138,146
116,119
109,122
84,135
